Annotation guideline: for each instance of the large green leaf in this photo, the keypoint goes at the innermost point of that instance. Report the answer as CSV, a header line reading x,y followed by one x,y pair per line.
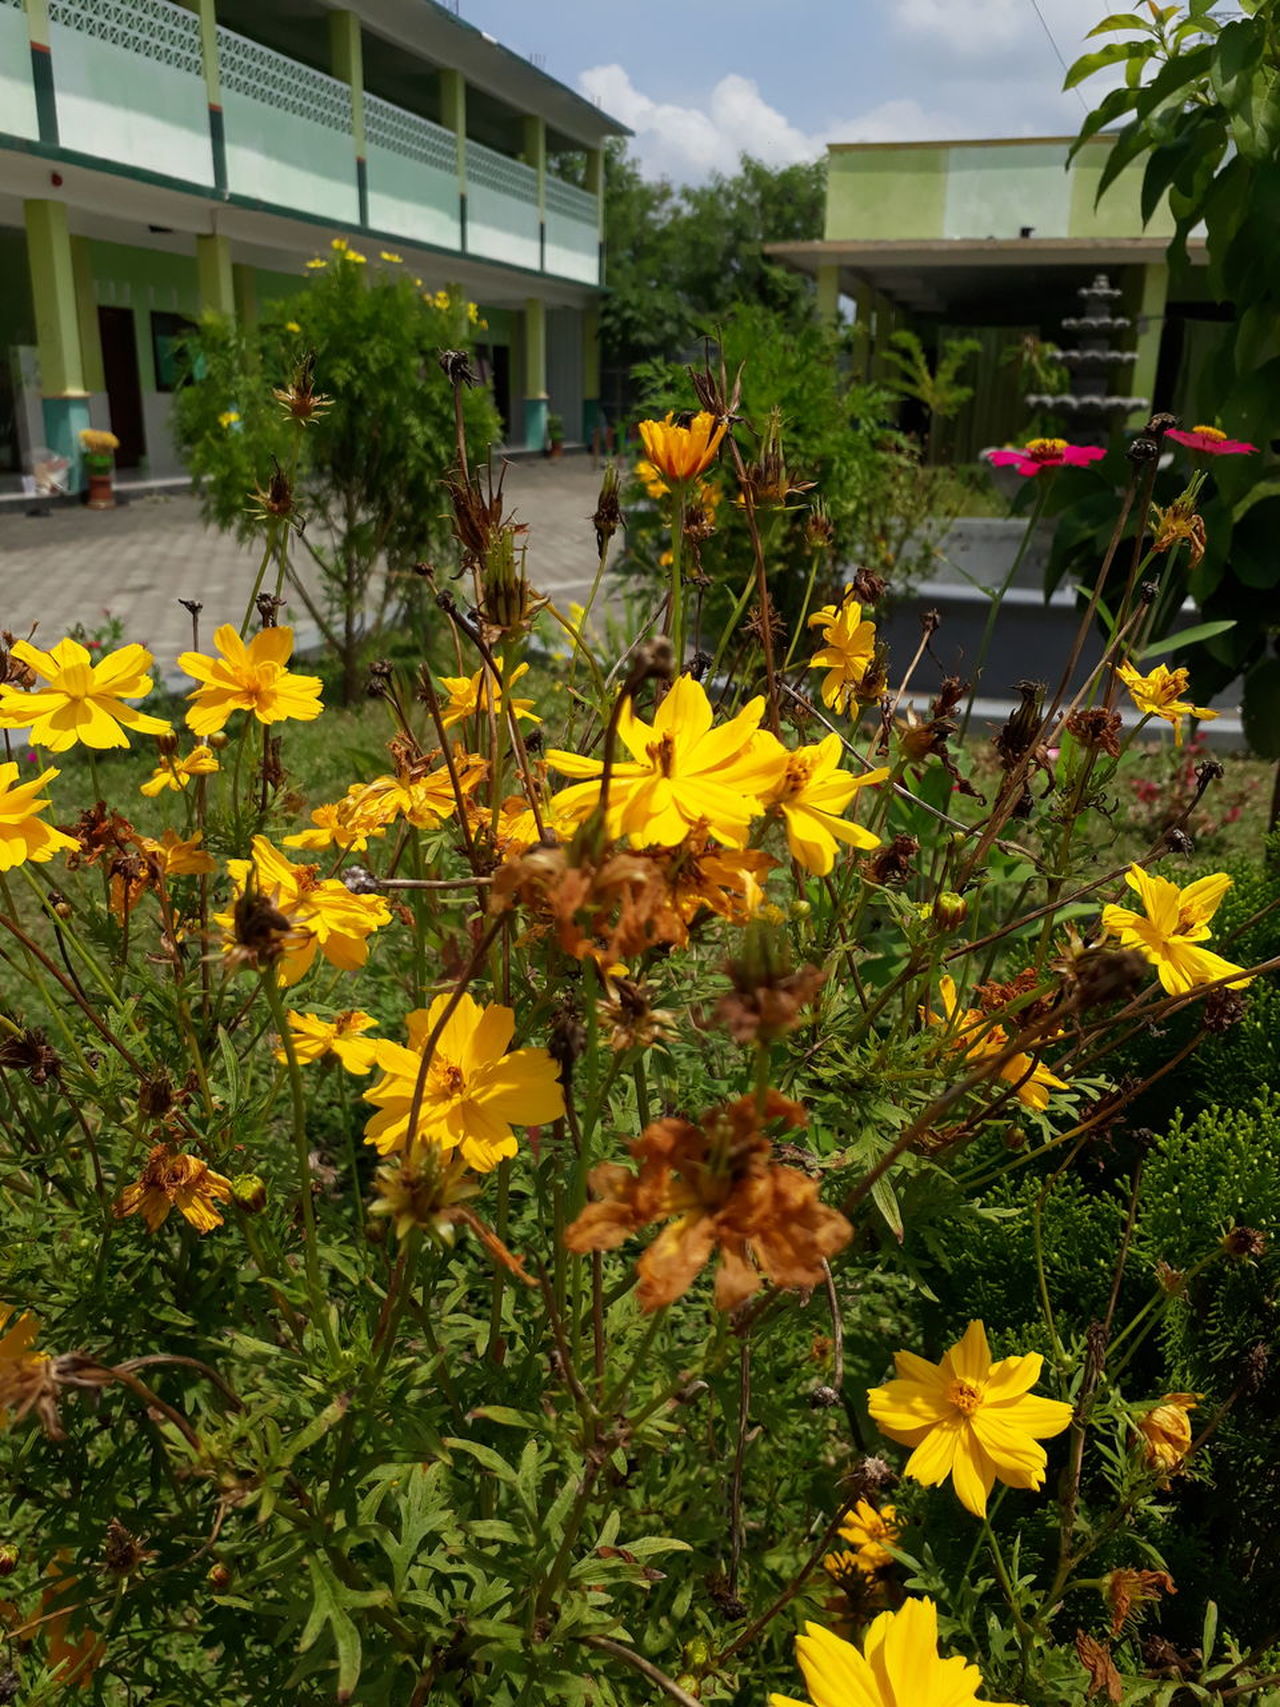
x,y
1115,53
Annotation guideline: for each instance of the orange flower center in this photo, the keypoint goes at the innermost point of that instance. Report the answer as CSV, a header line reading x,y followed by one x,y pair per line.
x,y
964,1396
1214,433
1045,450
799,770
662,753
446,1081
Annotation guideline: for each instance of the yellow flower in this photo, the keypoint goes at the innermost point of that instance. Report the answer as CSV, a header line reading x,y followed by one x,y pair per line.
x,y
313,1038
870,1533
174,1180
981,1041
899,1666
848,648
474,1090
651,479
470,695
359,259
292,326
1166,1431
1160,695
22,1371
389,255
970,1419
249,678
425,801
339,245
177,858
811,794
23,834
346,823
682,772
325,916
443,301
1176,921
95,442
317,263
176,773
228,417
680,454
473,313
84,701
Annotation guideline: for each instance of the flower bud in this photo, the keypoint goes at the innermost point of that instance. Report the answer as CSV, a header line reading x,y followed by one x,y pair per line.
x,y
250,1193
167,743
218,740
8,1559
219,1577
696,1655
950,910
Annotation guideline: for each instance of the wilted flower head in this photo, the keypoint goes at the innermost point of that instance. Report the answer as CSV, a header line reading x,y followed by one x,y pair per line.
x,y
1125,1590
299,399
1166,1432
175,1180
768,989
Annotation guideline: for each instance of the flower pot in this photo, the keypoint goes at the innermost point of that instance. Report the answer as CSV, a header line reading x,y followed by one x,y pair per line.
x,y
101,492
556,448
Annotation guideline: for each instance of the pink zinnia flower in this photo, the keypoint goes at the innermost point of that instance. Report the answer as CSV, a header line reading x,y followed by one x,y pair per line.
x,y
1210,440
1045,453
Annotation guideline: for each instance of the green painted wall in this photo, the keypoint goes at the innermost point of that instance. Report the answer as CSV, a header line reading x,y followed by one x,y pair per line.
x,y
144,279
1119,213
275,287
877,193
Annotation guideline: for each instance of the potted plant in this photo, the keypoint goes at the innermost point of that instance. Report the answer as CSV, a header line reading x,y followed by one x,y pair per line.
x,y
99,458
555,435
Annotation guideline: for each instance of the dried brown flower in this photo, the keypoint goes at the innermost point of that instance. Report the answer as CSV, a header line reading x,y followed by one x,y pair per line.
x,y
767,992
607,518
1095,1657
299,399
123,1554
719,1190
893,862
1126,1590
29,1051
1245,1244
1096,729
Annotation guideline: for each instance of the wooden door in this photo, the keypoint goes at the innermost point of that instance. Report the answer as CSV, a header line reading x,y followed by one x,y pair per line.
x,y
124,388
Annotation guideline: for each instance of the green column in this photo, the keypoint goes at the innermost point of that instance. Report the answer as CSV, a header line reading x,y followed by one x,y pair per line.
x,y
591,415
828,292
453,116
53,293
534,153
42,69
214,276
535,373
244,287
346,56
207,14
1151,306
594,184
87,316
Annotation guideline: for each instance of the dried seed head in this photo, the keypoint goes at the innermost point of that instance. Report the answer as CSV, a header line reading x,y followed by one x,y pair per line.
x,y
269,606
457,368
29,1052
867,1477
1159,424
768,992
1245,1244
155,1094
1097,729
866,587
123,1554
299,399
1223,1009
820,533
893,862
1103,975
1143,451
608,512
822,1398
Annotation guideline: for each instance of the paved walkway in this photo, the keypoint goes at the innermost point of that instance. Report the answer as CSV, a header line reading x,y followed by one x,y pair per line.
x,y
135,562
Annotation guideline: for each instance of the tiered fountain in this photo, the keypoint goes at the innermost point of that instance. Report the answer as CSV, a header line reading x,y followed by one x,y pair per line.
x,y
1088,404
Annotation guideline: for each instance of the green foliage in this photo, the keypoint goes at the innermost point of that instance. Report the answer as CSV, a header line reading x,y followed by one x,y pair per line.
x,y
1200,106
361,468
937,387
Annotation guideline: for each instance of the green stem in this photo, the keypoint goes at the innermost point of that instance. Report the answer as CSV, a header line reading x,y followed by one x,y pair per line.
x,y
677,584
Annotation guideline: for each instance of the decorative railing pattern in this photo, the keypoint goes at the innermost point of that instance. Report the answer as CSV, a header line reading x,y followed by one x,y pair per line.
x,y
494,171
261,74
155,29
16,4
574,203
408,134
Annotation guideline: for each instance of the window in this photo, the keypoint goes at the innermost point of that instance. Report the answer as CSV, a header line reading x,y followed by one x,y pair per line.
x,y
167,333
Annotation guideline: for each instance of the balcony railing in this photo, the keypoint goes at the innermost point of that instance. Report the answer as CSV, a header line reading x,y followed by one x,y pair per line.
x,y
502,208
413,175
130,88
129,84
288,131
573,232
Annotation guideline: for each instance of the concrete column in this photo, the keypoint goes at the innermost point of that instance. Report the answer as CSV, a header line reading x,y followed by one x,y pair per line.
x,y
1150,322
213,273
42,69
87,316
453,116
592,416
535,373
829,293
346,58
205,10
533,152
64,395
244,290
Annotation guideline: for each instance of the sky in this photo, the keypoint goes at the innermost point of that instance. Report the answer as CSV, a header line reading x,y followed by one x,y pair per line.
x,y
703,81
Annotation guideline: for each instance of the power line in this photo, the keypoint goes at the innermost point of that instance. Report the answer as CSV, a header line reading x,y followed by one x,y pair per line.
x,y
1044,25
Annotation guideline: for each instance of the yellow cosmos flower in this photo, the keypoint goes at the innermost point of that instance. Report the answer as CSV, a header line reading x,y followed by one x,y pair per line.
x,y
346,823
174,1180
1160,695
811,794
228,418
471,695
899,1665
391,257
425,801
327,918
848,647
680,454
83,701
1176,922
651,479
176,773
969,1418
474,1092
870,1534
21,1370
23,833
313,1038
1166,1431
982,1041
682,772
175,857
292,326
249,678
316,264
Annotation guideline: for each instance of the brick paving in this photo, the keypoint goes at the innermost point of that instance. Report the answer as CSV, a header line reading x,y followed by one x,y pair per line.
x,y
138,560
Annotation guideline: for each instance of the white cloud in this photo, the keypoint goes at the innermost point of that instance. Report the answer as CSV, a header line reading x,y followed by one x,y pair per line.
x,y
983,29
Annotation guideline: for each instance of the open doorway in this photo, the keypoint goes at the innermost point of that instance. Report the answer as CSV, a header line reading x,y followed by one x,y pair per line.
x,y
124,389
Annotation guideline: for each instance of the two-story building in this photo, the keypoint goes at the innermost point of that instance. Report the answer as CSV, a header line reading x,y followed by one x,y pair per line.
x,y
158,160
995,240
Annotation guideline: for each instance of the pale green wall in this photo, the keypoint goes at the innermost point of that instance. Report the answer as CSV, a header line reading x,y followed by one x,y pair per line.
x,y
144,279
886,192
1119,213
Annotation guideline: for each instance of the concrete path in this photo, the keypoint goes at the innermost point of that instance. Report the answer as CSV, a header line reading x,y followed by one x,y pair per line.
x,y
135,562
